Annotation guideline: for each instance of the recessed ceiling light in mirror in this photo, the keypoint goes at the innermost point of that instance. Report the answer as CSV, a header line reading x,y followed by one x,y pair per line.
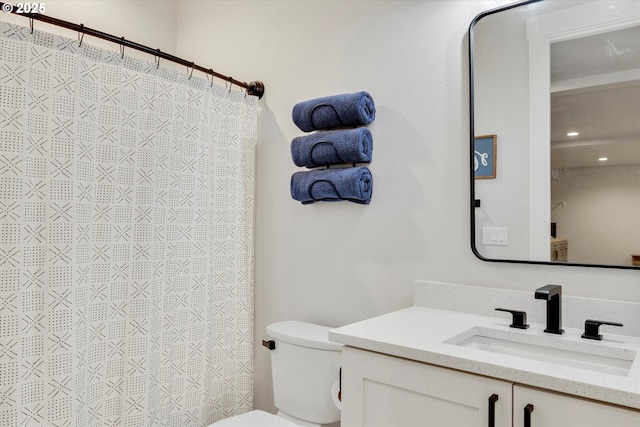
x,y
573,134
603,159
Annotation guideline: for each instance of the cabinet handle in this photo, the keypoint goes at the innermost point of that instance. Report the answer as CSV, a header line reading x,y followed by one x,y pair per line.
x,y
527,415
492,410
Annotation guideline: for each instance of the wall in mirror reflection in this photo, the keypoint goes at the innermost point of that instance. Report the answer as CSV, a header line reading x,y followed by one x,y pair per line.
x,y
597,209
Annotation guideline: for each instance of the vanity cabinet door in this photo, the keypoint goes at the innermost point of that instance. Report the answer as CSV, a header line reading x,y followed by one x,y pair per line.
x,y
384,391
552,409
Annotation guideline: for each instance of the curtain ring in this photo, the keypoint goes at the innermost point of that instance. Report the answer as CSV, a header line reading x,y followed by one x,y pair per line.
x,y
80,35
158,59
211,71
230,83
122,47
31,24
193,67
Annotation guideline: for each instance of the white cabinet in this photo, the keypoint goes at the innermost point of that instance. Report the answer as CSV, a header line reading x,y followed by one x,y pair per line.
x,y
552,409
386,391
559,250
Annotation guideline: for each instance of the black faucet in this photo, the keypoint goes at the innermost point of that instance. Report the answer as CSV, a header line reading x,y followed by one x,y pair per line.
x,y
553,295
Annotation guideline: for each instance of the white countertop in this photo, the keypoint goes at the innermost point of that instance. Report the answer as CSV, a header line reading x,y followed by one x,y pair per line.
x,y
418,333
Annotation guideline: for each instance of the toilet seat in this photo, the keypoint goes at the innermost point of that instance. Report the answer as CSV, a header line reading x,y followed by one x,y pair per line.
x,y
255,418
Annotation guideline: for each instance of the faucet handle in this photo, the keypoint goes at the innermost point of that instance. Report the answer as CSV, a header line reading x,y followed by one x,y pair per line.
x,y
519,318
591,328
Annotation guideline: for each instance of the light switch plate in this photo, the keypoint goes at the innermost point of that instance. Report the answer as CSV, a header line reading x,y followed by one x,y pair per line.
x,y
496,236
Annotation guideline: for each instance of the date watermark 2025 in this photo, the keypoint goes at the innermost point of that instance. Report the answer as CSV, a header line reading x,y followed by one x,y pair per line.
x,y
24,8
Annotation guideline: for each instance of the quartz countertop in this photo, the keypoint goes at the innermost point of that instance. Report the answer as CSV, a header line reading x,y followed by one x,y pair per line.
x,y
420,334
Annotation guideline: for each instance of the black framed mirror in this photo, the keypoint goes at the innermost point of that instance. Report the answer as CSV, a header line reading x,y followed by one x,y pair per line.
x,y
555,133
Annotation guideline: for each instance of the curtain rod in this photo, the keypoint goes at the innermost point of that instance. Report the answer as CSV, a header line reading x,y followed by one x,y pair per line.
x,y
253,88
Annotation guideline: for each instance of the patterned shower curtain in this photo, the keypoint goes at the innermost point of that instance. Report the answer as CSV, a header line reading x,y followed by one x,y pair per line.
x,y
126,239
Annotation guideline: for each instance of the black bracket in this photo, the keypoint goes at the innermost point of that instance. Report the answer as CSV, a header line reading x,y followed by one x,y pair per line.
x,y
271,345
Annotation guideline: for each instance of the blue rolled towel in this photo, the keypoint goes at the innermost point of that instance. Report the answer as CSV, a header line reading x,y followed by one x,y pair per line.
x,y
332,185
332,147
337,111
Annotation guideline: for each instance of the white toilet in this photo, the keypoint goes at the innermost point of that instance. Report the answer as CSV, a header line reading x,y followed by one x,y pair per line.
x,y
305,367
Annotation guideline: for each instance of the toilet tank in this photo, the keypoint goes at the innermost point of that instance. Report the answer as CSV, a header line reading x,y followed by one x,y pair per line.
x,y
305,365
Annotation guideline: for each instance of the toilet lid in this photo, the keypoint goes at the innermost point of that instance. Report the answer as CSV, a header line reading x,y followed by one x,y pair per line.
x,y
255,418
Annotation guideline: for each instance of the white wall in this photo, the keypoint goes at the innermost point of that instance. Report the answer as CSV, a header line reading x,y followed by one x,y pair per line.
x,y
501,97
601,216
149,22
335,263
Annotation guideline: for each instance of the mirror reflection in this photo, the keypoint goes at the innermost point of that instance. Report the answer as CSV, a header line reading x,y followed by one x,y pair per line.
x,y
558,84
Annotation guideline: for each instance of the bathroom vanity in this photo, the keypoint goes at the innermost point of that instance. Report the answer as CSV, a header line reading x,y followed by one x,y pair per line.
x,y
391,391
440,367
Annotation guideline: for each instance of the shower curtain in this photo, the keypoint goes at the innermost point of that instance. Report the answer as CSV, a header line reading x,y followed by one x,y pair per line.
x,y
126,239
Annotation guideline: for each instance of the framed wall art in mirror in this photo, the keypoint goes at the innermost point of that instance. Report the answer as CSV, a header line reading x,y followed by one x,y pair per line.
x,y
484,156
558,83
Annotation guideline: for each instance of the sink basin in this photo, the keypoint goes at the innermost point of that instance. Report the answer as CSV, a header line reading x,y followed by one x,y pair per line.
x,y
555,350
